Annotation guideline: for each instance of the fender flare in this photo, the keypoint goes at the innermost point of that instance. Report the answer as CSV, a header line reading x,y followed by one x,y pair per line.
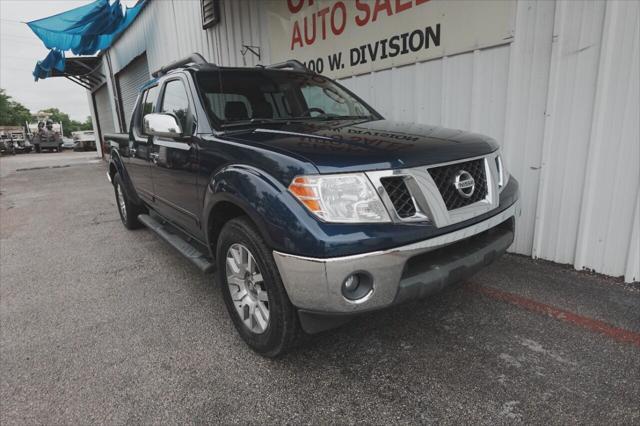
x,y
278,216
117,163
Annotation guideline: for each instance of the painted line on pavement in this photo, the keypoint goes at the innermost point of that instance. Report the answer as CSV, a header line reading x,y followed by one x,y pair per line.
x,y
596,326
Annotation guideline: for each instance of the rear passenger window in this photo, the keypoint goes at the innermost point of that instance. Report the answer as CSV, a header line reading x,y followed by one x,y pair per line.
x,y
149,100
175,102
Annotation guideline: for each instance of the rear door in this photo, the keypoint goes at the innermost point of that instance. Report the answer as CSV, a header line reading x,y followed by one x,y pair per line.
x,y
175,161
140,145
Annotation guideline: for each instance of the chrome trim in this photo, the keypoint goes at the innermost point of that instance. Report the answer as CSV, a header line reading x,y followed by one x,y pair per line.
x,y
427,198
183,146
162,125
315,283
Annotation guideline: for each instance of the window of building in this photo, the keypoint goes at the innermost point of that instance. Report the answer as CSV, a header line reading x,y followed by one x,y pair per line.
x,y
210,13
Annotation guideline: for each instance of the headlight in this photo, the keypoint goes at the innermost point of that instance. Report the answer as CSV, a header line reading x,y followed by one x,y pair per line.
x,y
347,198
503,174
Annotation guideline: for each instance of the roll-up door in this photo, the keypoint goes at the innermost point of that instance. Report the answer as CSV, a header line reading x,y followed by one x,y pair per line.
x,y
104,111
129,81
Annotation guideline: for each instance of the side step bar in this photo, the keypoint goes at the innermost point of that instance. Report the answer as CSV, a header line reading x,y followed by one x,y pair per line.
x,y
184,248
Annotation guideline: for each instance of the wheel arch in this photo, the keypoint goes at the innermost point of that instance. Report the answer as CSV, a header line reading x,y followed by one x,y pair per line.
x,y
116,165
240,190
225,208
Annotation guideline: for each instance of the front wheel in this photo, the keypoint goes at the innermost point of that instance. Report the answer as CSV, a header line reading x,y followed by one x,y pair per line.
x,y
252,290
128,211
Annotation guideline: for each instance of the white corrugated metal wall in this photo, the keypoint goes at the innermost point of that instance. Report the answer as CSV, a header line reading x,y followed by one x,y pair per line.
x,y
563,98
129,80
171,29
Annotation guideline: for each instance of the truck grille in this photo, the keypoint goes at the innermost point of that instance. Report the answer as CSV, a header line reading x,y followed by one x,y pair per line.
x,y
400,197
444,177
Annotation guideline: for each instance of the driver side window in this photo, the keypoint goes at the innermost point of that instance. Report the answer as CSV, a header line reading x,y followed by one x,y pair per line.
x,y
149,100
176,102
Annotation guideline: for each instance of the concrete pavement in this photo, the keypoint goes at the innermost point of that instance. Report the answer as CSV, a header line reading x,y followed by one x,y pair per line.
x,y
103,325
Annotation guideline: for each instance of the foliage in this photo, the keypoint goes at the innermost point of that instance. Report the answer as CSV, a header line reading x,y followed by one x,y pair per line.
x,y
12,113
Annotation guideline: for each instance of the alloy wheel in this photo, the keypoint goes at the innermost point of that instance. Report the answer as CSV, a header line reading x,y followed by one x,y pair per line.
x,y
121,203
247,288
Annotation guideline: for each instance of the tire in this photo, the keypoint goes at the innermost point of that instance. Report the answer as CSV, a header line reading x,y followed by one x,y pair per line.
x,y
282,328
128,210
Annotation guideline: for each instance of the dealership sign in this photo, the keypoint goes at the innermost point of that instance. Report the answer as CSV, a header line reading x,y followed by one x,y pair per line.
x,y
340,38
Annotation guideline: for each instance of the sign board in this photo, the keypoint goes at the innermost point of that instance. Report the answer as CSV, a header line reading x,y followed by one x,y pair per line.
x,y
340,38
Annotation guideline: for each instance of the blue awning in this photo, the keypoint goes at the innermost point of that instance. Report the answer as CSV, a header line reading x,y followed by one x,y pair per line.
x,y
83,30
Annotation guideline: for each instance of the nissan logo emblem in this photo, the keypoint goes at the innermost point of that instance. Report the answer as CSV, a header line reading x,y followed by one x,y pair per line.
x,y
464,183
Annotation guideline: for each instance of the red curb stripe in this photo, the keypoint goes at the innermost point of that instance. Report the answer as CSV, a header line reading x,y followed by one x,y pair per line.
x,y
596,326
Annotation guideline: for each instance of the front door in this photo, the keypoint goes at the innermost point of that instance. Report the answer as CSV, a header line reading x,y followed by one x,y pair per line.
x,y
176,162
140,147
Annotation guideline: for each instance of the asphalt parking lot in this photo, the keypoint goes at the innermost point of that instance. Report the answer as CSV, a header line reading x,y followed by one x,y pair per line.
x,y
104,325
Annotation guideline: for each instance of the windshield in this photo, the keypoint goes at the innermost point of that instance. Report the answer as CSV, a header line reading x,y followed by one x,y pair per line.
x,y
236,97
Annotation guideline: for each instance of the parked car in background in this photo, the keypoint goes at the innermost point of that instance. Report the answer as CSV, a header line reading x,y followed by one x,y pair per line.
x,y
310,205
15,135
85,140
7,145
68,143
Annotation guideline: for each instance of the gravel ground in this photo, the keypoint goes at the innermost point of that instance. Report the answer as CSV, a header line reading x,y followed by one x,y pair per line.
x,y
104,325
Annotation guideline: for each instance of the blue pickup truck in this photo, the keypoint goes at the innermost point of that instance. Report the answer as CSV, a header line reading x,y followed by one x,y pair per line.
x,y
308,205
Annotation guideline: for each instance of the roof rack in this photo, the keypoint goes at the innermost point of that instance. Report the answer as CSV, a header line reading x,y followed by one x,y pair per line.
x,y
194,58
292,63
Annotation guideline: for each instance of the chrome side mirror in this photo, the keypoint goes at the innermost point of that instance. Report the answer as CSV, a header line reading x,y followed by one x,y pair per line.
x,y
163,125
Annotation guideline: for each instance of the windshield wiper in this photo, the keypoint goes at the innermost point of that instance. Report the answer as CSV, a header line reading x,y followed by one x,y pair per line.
x,y
330,117
256,121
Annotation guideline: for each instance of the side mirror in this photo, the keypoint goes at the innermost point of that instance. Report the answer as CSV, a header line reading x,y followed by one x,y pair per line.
x,y
163,125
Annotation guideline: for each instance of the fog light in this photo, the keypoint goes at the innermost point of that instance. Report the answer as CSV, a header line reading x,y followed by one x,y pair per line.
x,y
351,283
357,286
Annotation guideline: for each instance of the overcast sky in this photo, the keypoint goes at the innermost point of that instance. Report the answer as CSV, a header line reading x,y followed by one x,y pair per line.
x,y
20,49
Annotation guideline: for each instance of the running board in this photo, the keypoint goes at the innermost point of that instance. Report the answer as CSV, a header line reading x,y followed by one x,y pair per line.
x,y
184,248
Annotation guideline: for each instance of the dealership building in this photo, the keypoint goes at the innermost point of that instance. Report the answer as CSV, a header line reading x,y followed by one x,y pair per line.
x,y
556,83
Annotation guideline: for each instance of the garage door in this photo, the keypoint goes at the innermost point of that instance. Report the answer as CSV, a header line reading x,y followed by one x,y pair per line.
x,y
104,111
129,81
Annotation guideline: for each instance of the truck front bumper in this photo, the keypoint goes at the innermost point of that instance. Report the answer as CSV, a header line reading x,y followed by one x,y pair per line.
x,y
402,273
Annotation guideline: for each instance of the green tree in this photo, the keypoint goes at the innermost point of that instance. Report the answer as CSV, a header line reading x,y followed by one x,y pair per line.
x,y
88,124
12,113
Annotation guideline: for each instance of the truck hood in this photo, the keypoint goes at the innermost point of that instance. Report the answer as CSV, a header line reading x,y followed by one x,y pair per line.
x,y
342,146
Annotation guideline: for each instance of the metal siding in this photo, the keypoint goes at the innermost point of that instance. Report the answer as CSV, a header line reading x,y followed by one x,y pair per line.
x,y
574,69
590,178
104,110
612,175
130,79
528,82
562,100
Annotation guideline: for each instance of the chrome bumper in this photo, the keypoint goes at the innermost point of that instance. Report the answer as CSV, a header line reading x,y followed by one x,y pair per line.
x,y
315,284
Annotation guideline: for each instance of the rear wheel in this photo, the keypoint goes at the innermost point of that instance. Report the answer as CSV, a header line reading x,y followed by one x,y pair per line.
x,y
252,290
128,210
